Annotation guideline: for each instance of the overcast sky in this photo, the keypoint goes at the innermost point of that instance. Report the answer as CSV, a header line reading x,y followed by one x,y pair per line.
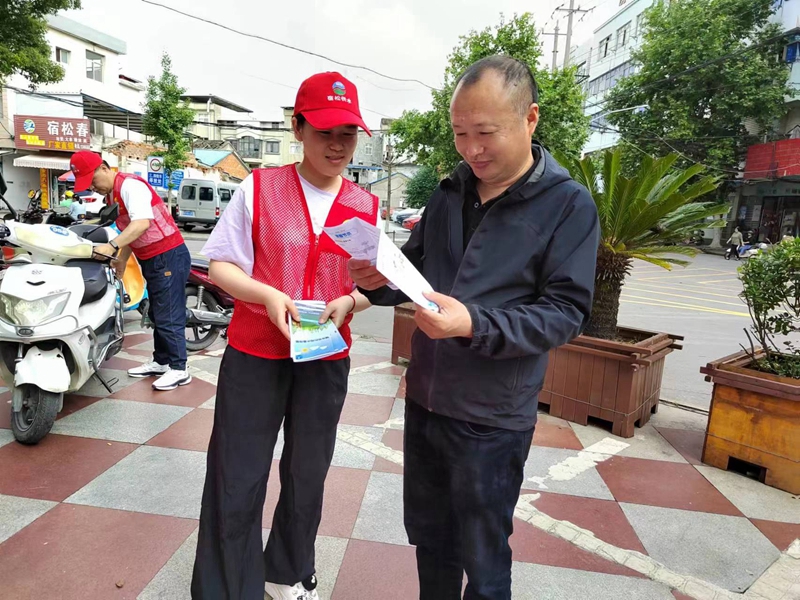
x,y
409,39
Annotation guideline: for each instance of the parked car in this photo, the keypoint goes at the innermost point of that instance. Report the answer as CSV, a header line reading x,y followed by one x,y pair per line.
x,y
202,201
401,215
383,213
412,221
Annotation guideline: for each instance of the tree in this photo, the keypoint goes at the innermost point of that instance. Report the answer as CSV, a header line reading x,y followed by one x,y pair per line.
x,y
563,126
166,116
421,187
641,217
23,46
706,69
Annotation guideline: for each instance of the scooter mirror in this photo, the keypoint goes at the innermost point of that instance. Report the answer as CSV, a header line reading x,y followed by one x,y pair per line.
x,y
108,214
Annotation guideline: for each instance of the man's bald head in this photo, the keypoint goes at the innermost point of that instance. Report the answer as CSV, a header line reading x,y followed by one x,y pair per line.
x,y
517,76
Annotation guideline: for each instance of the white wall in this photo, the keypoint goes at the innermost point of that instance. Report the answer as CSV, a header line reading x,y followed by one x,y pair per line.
x,y
20,181
788,14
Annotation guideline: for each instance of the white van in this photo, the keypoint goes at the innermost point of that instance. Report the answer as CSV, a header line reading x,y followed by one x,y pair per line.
x,y
202,201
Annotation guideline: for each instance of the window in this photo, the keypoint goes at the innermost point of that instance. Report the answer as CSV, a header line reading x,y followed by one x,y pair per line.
x,y
296,148
249,147
792,52
605,46
623,33
224,195
94,65
188,192
272,147
608,80
206,194
62,56
639,25
96,127
367,149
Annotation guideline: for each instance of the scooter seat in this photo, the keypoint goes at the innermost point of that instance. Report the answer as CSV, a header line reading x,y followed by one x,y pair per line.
x,y
93,233
95,282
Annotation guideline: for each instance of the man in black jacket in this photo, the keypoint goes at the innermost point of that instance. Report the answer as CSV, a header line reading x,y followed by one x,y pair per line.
x,y
509,242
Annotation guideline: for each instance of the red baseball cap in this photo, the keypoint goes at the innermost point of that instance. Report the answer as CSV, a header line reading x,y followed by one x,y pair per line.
x,y
83,165
328,100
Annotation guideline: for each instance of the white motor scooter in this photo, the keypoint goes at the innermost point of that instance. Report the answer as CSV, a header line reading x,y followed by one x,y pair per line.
x,y
60,317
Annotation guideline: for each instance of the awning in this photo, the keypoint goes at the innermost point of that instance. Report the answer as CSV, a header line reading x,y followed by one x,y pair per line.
x,y
69,176
56,162
94,108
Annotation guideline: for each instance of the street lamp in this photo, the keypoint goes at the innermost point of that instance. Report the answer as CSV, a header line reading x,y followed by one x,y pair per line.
x,y
388,160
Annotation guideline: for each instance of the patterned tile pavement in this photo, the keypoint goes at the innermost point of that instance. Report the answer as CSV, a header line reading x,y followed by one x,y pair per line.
x,y
107,505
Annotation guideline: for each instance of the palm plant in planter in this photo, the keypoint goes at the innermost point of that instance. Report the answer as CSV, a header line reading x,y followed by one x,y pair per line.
x,y
614,373
755,407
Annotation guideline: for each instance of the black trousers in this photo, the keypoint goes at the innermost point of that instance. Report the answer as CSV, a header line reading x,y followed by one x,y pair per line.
x,y
254,395
461,484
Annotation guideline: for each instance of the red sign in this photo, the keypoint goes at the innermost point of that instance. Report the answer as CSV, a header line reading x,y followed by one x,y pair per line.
x,y
51,133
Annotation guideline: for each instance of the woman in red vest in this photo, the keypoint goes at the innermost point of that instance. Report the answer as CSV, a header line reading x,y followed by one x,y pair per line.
x,y
269,250
149,232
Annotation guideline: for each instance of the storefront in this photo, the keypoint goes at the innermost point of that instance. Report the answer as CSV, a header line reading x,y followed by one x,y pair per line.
x,y
770,209
44,146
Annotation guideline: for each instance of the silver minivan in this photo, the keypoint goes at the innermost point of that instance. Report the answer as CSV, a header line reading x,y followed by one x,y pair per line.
x,y
202,201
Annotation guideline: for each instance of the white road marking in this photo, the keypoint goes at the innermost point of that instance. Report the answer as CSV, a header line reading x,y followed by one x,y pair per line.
x,y
586,459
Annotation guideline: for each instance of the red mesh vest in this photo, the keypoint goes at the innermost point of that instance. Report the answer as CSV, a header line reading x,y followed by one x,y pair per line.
x,y
290,258
161,236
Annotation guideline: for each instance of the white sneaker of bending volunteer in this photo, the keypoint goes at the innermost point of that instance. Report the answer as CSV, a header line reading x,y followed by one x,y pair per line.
x,y
290,592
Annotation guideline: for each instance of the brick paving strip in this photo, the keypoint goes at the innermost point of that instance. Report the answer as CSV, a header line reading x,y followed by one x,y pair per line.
x,y
780,582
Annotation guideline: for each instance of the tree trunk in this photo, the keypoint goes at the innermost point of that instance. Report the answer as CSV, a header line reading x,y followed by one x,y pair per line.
x,y
611,272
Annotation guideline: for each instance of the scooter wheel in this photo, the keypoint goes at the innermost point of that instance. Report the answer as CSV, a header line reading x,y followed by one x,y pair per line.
x,y
727,257
37,416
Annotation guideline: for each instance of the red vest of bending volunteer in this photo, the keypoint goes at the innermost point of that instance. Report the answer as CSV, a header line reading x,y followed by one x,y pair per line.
x,y
161,236
291,258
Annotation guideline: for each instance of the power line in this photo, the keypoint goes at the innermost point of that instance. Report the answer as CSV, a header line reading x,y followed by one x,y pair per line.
x,y
283,45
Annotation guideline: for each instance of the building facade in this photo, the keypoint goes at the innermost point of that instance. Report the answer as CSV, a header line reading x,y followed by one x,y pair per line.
x,y
605,59
95,105
768,201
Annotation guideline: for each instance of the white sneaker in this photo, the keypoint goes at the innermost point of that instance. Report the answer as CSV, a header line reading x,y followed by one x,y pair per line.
x,y
172,379
298,591
148,370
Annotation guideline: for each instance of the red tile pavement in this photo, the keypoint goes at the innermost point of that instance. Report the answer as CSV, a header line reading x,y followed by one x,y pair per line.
x,y
687,442
555,433
120,364
73,403
5,410
780,534
394,439
192,395
366,410
192,432
533,545
85,552
604,518
139,352
374,570
680,596
401,391
344,491
664,484
134,339
362,360
56,467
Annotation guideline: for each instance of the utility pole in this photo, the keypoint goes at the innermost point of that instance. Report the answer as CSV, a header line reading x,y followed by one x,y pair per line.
x,y
570,14
556,34
389,165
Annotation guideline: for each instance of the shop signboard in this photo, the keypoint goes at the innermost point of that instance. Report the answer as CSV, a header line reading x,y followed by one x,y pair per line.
x,y
51,133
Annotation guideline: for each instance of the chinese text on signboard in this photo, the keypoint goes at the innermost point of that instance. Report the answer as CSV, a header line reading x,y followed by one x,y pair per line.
x,y
51,133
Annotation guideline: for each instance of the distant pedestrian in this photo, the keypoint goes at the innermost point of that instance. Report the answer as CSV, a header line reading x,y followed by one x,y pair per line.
x,y
735,242
77,209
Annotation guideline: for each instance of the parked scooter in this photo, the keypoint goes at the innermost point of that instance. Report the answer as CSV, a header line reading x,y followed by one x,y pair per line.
x,y
60,317
209,308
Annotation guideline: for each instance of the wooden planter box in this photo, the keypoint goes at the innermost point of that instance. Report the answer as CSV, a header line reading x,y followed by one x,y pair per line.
x,y
404,327
755,418
617,382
